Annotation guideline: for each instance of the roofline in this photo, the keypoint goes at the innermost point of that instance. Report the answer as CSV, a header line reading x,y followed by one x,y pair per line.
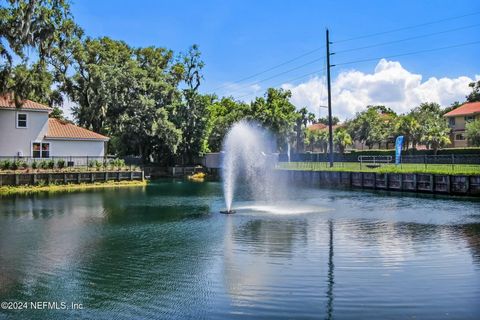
x,y
77,139
25,109
460,114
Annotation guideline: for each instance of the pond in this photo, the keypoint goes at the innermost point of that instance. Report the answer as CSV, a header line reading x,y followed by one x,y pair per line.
x,y
165,251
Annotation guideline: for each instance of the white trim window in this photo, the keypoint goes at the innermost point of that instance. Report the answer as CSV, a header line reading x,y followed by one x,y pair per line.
x,y
22,120
40,150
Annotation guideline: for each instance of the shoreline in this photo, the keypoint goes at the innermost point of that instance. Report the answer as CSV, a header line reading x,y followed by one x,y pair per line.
x,y
54,188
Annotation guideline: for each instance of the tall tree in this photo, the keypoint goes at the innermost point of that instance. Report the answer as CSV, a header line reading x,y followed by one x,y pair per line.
x,y
30,34
342,139
434,131
474,96
409,128
473,133
192,113
275,112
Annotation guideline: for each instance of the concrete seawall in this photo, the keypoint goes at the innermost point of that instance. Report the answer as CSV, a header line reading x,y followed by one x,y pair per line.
x,y
17,179
411,182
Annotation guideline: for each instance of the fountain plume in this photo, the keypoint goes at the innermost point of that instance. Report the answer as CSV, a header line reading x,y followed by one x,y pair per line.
x,y
249,159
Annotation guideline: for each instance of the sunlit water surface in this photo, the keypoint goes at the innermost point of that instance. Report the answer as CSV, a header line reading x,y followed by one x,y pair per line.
x,y
164,251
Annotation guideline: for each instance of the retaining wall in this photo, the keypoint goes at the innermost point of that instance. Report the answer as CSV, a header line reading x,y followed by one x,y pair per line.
x,y
412,182
16,179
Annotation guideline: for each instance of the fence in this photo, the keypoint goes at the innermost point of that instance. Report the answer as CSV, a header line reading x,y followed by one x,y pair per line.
x,y
16,179
416,159
70,161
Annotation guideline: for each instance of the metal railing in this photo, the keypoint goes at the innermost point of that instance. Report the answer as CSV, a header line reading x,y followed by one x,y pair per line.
x,y
374,161
69,161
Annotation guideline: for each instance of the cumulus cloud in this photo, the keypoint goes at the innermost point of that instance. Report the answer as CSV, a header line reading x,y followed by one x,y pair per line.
x,y
390,84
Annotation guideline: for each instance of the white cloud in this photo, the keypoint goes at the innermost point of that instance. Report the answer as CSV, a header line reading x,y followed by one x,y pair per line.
x,y
390,84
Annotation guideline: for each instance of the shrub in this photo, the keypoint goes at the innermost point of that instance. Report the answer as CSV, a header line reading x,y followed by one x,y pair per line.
x,y
14,165
50,164
61,164
22,164
98,164
43,164
6,164
91,163
34,165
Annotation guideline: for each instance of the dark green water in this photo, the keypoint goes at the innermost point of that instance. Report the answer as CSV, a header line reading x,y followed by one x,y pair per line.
x,y
164,251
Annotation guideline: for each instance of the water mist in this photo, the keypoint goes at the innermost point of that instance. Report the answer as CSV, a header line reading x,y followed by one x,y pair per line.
x,y
248,159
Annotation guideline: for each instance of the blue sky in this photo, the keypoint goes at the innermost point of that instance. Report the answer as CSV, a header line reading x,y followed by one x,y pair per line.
x,y
240,38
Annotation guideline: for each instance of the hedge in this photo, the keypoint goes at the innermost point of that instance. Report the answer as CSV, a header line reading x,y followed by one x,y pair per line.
x,y
352,156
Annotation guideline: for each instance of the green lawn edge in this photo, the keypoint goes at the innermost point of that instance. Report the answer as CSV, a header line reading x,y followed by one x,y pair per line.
x,y
470,170
53,188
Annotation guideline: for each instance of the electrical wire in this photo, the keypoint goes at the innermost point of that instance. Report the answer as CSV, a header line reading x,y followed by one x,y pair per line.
x,y
354,38
407,53
407,39
408,28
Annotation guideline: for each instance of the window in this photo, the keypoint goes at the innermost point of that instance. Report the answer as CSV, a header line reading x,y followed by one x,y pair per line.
x,y
459,136
41,150
451,121
45,150
469,118
21,120
36,149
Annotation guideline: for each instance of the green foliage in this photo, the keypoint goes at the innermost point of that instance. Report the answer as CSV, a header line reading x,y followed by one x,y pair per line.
x,y
50,164
324,120
475,94
275,112
60,164
473,132
34,165
342,139
221,115
434,131
316,139
410,129
5,164
33,35
44,164
372,126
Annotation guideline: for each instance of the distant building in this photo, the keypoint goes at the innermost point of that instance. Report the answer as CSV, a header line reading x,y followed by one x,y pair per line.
x,y
27,131
457,120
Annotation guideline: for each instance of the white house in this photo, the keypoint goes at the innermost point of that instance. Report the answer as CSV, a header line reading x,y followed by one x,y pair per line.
x,y
27,131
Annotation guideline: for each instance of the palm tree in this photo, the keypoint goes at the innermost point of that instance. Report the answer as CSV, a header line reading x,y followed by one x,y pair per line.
x,y
409,127
342,139
436,135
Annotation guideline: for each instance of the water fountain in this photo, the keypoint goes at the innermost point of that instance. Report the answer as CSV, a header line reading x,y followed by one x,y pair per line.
x,y
248,158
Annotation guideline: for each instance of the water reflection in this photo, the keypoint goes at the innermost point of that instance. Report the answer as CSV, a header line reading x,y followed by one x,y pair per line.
x,y
160,253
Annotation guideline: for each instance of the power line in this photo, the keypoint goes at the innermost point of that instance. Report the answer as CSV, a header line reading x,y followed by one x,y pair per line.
x,y
290,70
273,67
407,28
408,53
407,39
290,80
345,40
372,59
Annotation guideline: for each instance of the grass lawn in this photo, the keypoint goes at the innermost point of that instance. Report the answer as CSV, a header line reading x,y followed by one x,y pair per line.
x,y
8,190
467,169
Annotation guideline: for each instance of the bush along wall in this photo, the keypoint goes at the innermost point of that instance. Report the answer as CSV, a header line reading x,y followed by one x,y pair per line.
x,y
352,156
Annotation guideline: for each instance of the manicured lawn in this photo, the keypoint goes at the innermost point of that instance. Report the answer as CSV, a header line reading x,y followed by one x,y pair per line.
x,y
467,169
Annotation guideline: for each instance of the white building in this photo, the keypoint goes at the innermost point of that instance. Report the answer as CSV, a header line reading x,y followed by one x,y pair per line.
x,y
27,131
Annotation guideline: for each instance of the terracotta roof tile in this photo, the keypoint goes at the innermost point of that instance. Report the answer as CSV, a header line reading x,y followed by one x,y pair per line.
x,y
464,109
321,126
58,129
7,102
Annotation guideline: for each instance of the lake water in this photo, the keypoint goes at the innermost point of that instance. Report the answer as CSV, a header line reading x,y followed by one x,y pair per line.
x,y
164,251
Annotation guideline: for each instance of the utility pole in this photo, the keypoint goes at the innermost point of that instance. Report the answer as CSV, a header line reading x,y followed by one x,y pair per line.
x,y
330,129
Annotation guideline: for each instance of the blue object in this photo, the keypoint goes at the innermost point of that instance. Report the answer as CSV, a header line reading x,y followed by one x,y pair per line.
x,y
398,149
